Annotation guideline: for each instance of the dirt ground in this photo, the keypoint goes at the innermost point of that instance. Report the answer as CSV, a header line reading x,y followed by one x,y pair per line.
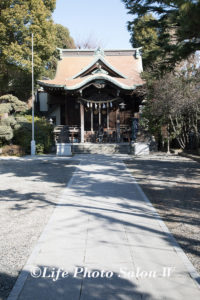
x,y
172,184
29,190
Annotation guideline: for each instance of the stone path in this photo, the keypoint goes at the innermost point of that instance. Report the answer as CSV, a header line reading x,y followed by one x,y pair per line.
x,y
110,242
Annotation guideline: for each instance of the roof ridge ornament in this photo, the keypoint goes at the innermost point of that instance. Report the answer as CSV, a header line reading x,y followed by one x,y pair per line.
x,y
138,52
103,60
99,70
99,51
60,53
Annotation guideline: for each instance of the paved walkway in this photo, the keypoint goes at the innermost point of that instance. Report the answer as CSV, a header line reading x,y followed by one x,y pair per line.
x,y
110,242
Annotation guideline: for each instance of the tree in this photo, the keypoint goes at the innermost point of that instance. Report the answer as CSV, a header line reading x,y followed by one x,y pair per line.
x,y
174,103
63,40
177,24
10,106
143,35
18,19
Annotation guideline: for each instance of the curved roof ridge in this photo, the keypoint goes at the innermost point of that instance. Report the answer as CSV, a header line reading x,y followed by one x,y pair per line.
x,y
89,79
103,60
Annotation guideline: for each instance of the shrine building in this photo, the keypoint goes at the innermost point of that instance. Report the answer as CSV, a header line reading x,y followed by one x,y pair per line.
x,y
94,95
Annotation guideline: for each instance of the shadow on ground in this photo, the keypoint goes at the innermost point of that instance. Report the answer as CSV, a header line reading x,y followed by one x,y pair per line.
x,y
168,172
185,197
6,284
57,173
173,186
86,286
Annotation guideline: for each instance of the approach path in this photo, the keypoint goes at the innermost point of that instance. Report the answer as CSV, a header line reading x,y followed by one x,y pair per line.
x,y
104,223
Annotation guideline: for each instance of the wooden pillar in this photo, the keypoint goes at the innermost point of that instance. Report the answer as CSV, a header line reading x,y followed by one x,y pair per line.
x,y
66,112
82,122
92,120
99,115
118,125
108,120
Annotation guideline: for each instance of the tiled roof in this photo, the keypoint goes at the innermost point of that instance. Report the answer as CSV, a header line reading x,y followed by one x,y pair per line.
x,y
124,64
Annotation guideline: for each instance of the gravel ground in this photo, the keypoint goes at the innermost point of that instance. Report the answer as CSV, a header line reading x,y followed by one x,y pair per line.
x,y
28,194
172,184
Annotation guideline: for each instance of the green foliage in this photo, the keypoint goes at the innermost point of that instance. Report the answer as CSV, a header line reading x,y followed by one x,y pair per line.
x,y
18,20
5,108
145,36
6,132
9,106
10,121
189,12
63,40
39,148
175,22
43,135
14,80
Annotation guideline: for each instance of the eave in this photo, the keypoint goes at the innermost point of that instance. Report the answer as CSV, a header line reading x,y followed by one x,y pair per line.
x,y
88,80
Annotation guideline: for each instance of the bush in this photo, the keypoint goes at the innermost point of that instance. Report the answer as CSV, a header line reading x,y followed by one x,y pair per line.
x,y
43,135
6,132
9,107
39,148
13,150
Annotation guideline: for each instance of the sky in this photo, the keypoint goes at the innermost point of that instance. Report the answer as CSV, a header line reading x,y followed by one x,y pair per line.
x,y
104,21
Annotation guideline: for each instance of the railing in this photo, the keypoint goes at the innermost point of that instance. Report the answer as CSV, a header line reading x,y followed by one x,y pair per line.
x,y
108,135
71,134
74,134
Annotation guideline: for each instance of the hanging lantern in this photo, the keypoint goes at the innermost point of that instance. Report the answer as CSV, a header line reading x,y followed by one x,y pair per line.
x,y
122,105
95,106
91,104
88,104
104,106
111,104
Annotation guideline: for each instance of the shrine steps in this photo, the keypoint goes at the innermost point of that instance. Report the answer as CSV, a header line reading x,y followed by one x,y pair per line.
x,y
122,148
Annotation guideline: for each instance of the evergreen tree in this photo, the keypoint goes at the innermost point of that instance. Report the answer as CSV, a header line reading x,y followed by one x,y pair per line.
x,y
143,35
18,20
177,24
63,40
9,107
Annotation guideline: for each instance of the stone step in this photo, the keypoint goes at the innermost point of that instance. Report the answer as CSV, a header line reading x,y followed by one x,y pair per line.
x,y
101,148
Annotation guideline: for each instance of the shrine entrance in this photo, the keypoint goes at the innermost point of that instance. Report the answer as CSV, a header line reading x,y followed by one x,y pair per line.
x,y
94,96
106,114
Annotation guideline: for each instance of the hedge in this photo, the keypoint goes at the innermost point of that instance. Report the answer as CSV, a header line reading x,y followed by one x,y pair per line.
x,y
43,135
